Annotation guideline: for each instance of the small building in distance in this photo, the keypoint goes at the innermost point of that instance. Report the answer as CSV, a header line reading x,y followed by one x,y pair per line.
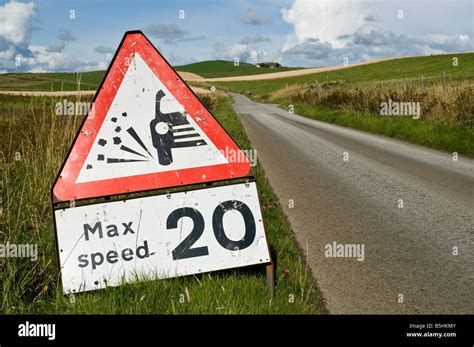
x,y
271,65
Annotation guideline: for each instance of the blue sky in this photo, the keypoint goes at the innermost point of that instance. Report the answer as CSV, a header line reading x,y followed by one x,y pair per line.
x,y
42,36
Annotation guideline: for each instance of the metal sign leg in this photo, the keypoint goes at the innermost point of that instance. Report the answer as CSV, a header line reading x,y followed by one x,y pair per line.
x,y
270,268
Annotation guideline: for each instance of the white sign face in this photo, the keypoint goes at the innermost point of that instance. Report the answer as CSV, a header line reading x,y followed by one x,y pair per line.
x,y
146,131
159,237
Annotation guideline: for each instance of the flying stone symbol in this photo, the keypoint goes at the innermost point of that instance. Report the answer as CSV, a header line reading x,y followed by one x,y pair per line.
x,y
168,131
165,131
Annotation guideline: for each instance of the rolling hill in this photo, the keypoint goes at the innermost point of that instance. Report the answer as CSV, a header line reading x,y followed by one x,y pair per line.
x,y
60,81
68,81
222,68
431,67
396,69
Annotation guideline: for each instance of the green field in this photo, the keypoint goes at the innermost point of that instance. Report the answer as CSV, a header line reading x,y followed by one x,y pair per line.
x,y
61,81
352,98
34,143
431,67
222,68
69,81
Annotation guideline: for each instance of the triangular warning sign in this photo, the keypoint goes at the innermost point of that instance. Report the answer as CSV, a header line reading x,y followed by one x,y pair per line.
x,y
146,130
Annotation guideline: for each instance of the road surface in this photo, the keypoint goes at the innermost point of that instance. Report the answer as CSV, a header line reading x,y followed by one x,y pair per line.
x,y
409,263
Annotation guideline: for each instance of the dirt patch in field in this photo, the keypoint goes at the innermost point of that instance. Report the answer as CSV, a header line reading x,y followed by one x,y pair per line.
x,y
189,76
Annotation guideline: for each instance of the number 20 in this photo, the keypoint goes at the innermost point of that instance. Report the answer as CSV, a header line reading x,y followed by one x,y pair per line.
x,y
184,249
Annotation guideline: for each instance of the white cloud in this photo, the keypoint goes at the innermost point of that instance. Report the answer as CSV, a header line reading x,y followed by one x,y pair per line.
x,y
237,50
311,48
44,60
178,60
243,52
453,43
58,47
17,22
326,31
17,53
254,39
254,18
15,32
258,56
103,50
170,33
371,35
66,35
370,18
325,20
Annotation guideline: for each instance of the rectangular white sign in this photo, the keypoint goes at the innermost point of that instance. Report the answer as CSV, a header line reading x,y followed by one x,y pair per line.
x,y
161,236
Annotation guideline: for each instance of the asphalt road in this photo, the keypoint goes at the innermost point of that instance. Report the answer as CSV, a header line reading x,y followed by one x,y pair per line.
x,y
409,263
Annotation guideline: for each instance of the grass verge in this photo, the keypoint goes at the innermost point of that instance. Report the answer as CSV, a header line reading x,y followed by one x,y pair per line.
x,y
33,144
450,138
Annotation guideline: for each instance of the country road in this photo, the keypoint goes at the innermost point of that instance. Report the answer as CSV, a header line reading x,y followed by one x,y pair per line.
x,y
408,264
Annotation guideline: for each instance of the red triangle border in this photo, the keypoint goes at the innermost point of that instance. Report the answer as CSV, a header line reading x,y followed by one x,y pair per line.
x,y
65,187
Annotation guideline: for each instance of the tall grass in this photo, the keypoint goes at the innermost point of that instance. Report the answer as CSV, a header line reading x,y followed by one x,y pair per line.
x,y
34,141
446,104
447,110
